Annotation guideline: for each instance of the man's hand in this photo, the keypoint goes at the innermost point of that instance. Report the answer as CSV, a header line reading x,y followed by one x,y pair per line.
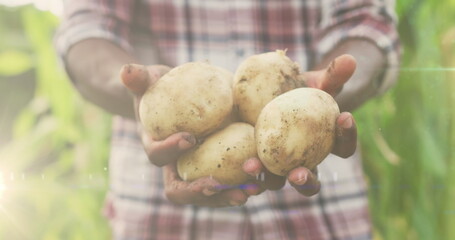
x,y
201,192
331,80
204,191
138,78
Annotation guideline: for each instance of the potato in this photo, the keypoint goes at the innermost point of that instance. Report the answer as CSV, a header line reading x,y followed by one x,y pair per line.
x,y
295,129
259,79
221,156
195,97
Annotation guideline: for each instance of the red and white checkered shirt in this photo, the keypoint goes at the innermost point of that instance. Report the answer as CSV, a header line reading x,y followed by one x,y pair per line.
x,y
173,32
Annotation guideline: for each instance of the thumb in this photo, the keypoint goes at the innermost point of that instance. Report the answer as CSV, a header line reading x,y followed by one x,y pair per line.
x,y
135,77
332,78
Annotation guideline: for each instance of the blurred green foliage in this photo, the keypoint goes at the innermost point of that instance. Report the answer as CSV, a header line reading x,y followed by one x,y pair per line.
x,y
55,166
408,134
54,161
14,62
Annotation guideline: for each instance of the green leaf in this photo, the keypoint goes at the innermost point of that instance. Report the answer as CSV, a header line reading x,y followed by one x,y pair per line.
x,y
13,62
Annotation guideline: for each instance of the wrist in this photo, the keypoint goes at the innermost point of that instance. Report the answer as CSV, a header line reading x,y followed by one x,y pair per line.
x,y
365,82
97,77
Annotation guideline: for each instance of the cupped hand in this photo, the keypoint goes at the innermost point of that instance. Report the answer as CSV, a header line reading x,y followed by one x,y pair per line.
x,y
207,191
201,192
138,78
305,181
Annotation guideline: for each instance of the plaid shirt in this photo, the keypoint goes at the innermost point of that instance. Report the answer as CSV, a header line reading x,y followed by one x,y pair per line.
x,y
173,32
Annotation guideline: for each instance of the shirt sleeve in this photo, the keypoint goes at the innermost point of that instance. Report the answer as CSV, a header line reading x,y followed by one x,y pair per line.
x,y
84,19
373,20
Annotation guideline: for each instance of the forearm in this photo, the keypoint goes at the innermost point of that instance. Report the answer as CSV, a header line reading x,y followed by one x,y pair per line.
x,y
93,66
363,85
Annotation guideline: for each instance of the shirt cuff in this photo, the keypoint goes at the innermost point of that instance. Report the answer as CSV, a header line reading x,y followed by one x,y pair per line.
x,y
67,36
384,36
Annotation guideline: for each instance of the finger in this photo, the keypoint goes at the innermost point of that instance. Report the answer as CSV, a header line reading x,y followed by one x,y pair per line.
x,y
208,186
222,200
201,192
205,187
231,197
304,181
346,137
220,197
332,78
182,192
196,192
166,151
135,77
263,177
188,193
253,167
251,188
338,73
272,181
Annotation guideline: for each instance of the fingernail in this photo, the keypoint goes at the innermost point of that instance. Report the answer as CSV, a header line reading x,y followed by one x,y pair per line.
x,y
208,192
126,68
138,69
189,138
347,123
187,141
234,203
302,178
134,77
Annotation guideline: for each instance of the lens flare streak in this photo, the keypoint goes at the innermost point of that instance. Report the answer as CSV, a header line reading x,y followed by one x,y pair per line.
x,y
428,69
2,186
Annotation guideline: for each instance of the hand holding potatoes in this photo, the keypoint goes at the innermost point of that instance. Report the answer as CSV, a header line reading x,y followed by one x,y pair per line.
x,y
139,78
343,143
182,106
295,129
194,97
164,146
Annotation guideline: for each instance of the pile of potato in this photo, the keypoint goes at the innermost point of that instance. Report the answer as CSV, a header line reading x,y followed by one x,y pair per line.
x,y
263,110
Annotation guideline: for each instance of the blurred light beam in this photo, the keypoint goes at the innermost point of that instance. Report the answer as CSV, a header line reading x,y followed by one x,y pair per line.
x,y
428,69
2,186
